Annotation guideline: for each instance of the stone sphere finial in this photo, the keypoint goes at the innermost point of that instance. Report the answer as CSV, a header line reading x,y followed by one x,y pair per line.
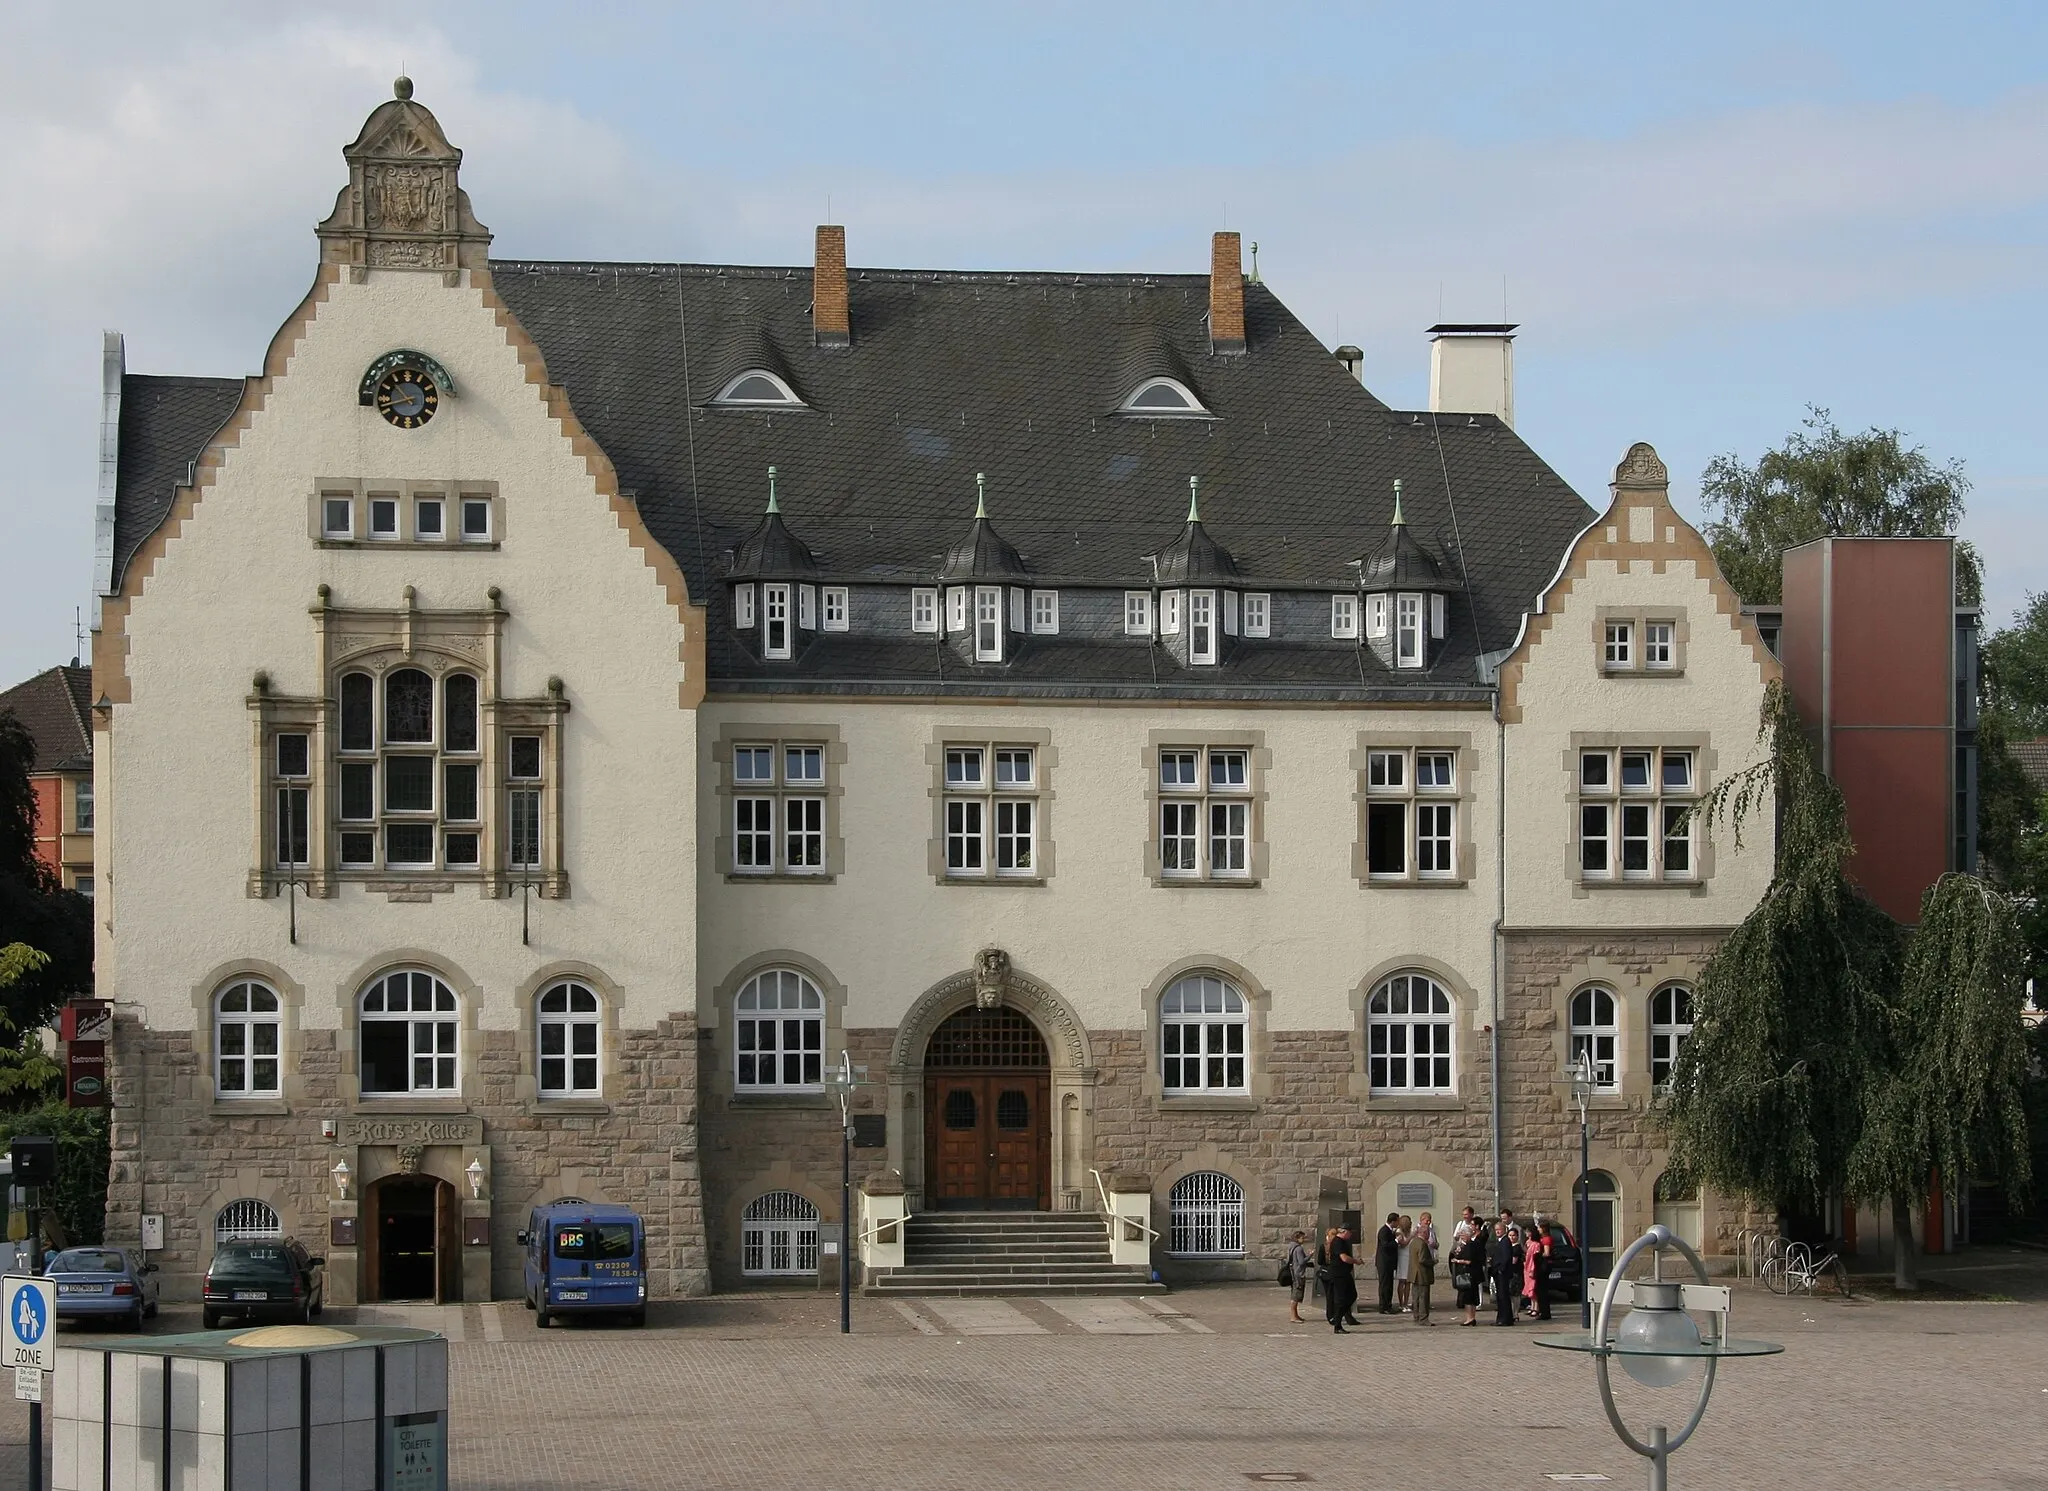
x,y
401,87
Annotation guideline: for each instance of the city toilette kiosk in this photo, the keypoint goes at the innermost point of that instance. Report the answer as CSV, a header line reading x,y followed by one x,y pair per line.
x,y
276,1408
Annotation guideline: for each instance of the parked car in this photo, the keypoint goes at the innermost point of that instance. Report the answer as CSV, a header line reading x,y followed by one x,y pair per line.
x,y
263,1281
103,1284
1562,1276
585,1258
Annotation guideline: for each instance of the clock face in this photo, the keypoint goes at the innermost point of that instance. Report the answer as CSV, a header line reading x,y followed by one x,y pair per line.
x,y
407,397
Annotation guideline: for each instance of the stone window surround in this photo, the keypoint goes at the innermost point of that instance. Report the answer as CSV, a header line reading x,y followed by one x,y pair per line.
x,y
526,1002
1258,1044
291,999
359,492
719,1085
1640,617
1259,761
1045,758
1468,1022
1704,762
725,790
1459,743
780,1176
1632,984
375,641
469,1000
1211,1159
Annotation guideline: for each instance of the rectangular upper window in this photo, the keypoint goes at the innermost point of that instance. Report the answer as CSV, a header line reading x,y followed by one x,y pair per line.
x,y
1375,617
1258,610
337,517
1620,645
1344,616
956,609
1411,814
807,607
1408,631
1658,651
1206,813
1635,814
476,520
988,623
1202,626
428,519
743,607
383,517
775,621
1169,613
1138,613
924,610
991,812
1436,617
1045,612
779,799
835,608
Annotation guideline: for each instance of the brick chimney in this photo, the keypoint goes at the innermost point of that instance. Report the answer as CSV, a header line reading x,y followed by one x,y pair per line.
x,y
829,324
1226,294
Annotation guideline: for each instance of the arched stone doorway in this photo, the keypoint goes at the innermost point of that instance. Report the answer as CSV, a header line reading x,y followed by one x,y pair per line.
x,y
413,1250
988,1113
1061,1116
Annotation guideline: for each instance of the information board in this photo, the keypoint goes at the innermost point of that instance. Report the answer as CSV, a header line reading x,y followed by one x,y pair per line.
x,y
415,1452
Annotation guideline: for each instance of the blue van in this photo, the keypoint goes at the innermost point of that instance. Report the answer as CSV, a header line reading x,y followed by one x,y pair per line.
x,y
584,1257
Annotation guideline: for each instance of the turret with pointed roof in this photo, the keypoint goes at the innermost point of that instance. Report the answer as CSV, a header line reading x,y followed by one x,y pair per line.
x,y
1402,563
984,554
771,551
1195,558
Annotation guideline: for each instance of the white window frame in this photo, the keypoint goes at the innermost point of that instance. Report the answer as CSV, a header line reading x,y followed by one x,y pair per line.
x,y
779,1236
1344,616
807,607
1420,785
1217,810
82,806
1408,641
1671,1024
1204,1037
1258,614
1045,613
778,626
258,1024
422,505
988,623
1650,819
778,790
1191,407
1437,612
1660,646
1169,613
743,607
381,505
1411,1024
924,609
345,506
1375,618
1595,1025
524,821
1205,1216
1137,613
787,1007
1018,607
990,802
568,1058
835,614
437,1025
786,396
1618,648
956,608
464,506
1230,613
1203,646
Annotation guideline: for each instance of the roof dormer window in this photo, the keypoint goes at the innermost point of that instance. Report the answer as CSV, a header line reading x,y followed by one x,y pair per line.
x,y
758,389
1162,398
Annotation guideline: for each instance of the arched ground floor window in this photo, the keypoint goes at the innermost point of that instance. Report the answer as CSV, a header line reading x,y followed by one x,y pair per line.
x,y
779,1235
1207,1212
247,1220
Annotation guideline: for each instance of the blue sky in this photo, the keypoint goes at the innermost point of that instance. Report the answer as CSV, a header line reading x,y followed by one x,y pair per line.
x,y
1705,217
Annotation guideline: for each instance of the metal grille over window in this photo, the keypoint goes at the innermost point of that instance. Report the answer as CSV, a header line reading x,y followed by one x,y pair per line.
x,y
1408,1035
991,811
778,1033
569,1029
408,1035
782,784
976,1037
247,1220
779,1235
411,794
1207,1211
247,1042
1594,1030
1202,1023
1205,813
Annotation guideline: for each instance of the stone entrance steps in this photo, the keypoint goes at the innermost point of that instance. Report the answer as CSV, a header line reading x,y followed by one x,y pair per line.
x,y
1010,1252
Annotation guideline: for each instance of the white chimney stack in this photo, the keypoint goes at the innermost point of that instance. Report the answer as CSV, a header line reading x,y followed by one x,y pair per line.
x,y
1472,370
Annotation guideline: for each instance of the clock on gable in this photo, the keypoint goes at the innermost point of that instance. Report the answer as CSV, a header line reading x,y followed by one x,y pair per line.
x,y
406,387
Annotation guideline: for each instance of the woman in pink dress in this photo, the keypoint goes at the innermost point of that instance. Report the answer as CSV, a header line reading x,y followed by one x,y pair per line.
x,y
1532,1256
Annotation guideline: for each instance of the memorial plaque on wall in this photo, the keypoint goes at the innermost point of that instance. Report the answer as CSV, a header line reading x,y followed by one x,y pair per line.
x,y
870,1131
341,1232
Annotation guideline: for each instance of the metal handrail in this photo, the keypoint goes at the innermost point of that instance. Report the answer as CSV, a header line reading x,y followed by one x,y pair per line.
x,y
1111,1217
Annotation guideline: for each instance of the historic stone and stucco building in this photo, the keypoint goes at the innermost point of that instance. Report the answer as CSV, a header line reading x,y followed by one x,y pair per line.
x,y
553,710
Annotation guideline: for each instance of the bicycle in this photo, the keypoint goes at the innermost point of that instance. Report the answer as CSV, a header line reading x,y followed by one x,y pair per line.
x,y
1791,1268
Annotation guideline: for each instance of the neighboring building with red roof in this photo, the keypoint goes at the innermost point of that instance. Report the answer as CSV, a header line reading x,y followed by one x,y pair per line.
x,y
52,706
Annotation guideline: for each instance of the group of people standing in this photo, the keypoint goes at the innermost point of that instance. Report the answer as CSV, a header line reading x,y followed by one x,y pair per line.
x,y
1502,1257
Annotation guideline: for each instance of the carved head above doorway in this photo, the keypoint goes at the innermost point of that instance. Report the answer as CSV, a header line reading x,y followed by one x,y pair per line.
x,y
409,1158
991,977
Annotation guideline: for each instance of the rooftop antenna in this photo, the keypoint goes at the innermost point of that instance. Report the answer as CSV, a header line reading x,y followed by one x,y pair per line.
x,y
77,635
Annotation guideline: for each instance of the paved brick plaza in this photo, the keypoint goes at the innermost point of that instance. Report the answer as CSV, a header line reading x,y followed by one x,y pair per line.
x,y
1211,1387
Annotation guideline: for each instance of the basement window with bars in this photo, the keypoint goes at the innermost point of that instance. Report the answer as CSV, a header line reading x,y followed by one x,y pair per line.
x,y
1206,1211
778,1235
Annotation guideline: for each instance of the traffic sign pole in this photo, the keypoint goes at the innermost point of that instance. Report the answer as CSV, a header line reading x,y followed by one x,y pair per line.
x,y
28,1339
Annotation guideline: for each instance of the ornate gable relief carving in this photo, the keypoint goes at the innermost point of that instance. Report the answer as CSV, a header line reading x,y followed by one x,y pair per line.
x,y
1066,1041
1642,469
403,207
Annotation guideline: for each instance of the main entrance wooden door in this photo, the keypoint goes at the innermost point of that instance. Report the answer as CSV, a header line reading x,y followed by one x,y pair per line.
x,y
988,1119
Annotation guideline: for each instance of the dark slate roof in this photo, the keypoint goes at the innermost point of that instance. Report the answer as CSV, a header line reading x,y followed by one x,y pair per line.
x,y
52,707
983,554
165,425
1403,564
1015,375
772,552
1195,558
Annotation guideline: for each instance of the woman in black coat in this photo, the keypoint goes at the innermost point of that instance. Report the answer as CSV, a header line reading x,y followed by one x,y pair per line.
x,y
1341,1293
1468,1262
1505,1264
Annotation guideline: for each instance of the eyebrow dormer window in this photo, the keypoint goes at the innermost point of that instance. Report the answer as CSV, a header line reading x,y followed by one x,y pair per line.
x,y
758,390
1162,397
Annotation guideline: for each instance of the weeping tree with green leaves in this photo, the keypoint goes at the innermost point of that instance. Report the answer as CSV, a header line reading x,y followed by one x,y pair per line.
x,y
1791,1015
1949,1101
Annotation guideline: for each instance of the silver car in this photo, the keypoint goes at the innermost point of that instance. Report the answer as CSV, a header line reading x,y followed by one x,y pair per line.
x,y
103,1284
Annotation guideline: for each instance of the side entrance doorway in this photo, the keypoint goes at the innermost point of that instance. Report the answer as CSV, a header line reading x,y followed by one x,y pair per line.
x,y
414,1248
988,1113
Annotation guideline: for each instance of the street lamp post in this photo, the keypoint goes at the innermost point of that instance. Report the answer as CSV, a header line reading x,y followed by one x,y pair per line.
x,y
1582,1089
1658,1343
842,1079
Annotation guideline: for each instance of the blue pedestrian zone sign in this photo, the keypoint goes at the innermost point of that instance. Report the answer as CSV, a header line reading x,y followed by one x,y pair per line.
x,y
29,1307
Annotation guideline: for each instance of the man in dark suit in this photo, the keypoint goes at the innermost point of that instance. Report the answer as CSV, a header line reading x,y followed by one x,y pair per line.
x,y
1386,1257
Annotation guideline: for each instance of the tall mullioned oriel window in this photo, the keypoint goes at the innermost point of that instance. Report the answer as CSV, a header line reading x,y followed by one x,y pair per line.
x,y
411,768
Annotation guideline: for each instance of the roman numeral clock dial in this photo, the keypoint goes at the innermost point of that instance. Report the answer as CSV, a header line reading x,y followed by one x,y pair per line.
x,y
407,397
